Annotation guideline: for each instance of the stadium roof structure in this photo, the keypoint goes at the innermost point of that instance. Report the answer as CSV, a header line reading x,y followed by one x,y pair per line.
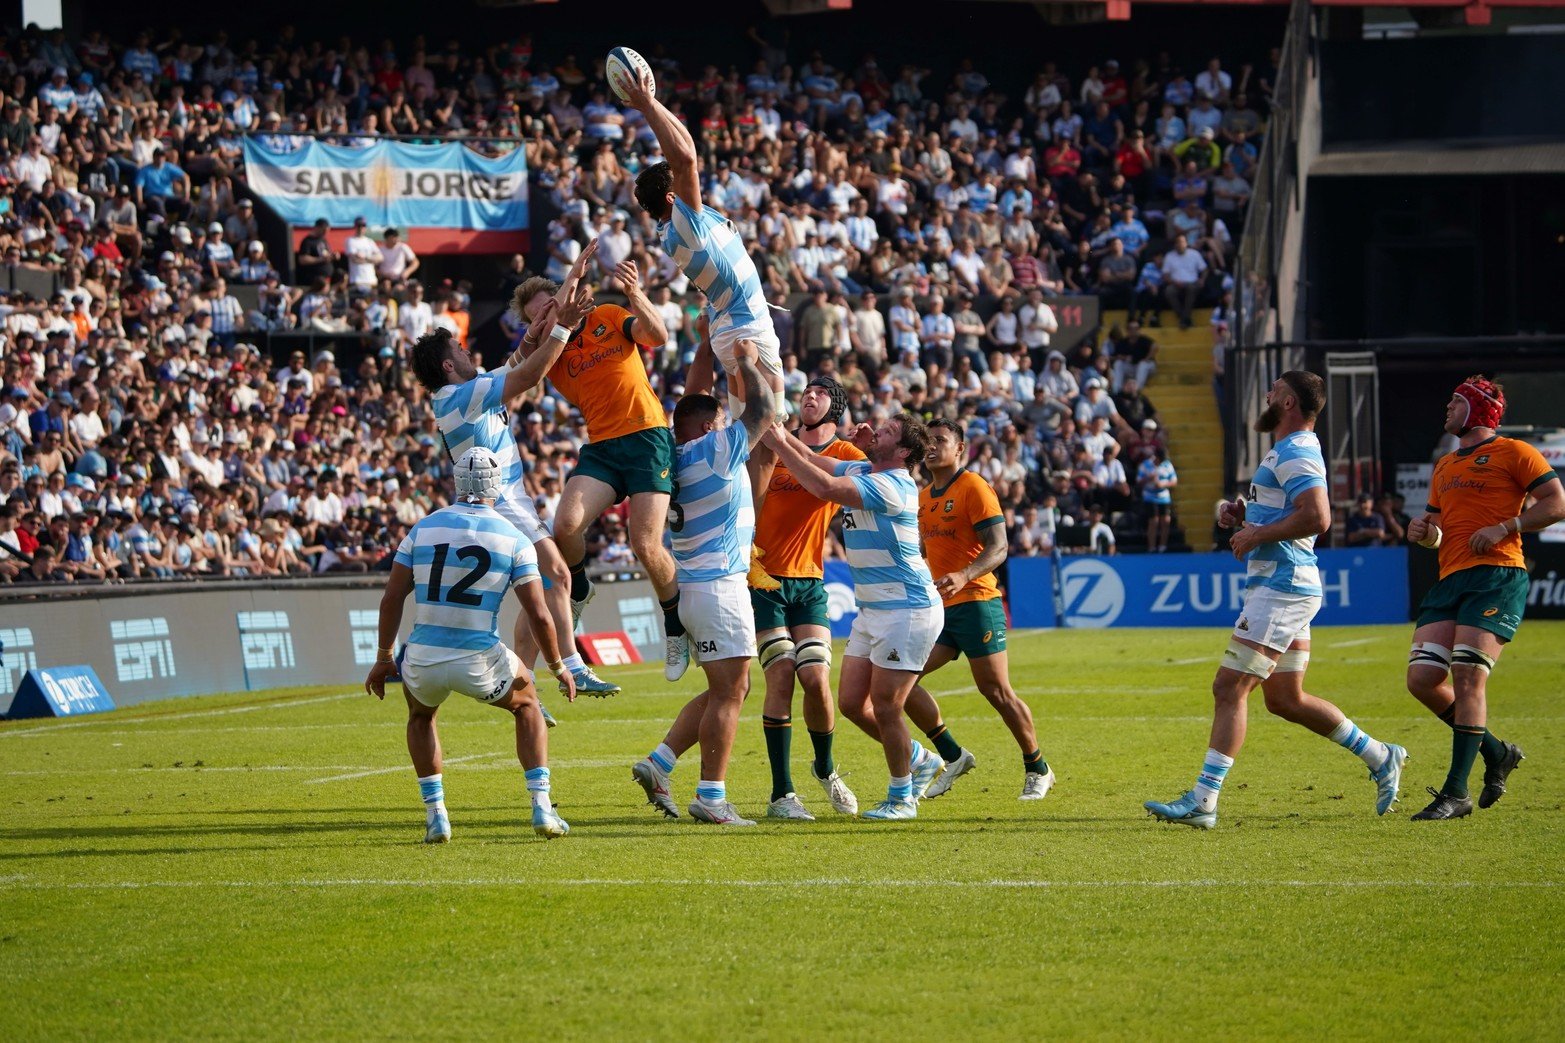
x,y
1475,12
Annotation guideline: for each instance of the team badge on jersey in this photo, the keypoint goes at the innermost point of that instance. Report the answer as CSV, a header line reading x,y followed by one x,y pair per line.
x,y
1482,460
601,330
950,506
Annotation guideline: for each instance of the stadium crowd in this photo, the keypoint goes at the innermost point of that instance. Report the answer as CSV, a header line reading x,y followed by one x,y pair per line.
x,y
911,231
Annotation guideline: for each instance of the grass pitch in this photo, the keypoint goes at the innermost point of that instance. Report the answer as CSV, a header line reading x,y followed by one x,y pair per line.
x,y
249,866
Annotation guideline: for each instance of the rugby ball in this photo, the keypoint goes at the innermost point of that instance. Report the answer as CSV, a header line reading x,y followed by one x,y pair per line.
x,y
623,68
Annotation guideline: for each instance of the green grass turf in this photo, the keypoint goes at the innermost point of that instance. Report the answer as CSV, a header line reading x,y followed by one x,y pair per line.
x,y
250,865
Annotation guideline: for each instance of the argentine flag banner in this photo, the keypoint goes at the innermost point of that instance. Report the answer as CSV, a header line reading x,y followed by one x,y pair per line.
x,y
475,201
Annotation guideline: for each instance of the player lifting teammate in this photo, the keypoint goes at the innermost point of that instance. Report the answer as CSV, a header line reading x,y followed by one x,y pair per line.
x,y
1288,508
714,524
706,247
470,410
899,609
963,529
458,562
1477,512
630,450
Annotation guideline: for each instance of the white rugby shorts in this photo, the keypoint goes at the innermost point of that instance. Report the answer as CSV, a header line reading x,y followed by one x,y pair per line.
x,y
486,676
1276,619
718,617
768,359
896,639
521,513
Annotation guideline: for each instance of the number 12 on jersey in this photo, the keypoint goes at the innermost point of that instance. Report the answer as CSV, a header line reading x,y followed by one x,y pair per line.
x,y
458,594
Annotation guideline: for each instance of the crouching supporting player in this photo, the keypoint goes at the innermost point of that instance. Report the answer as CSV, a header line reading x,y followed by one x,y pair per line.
x,y
1270,646
711,529
899,608
458,562
1477,512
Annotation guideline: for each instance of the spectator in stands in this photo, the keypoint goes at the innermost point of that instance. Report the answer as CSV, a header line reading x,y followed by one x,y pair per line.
x,y
1183,275
398,263
1157,478
1117,277
1365,526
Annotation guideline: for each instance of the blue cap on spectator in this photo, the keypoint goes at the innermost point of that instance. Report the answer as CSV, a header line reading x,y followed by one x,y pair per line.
x,y
18,392
426,439
388,352
65,398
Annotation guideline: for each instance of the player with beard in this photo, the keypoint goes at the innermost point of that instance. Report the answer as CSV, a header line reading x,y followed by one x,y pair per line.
x,y
1270,647
1476,514
899,609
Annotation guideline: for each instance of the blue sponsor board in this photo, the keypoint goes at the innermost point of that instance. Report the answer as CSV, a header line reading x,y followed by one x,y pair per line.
x,y
1197,590
841,605
60,691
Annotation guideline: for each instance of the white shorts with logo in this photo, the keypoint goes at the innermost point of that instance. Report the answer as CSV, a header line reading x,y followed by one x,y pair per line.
x,y
1276,619
718,617
486,676
520,512
896,639
769,359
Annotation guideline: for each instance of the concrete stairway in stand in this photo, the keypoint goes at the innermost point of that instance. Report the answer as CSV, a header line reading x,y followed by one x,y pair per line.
x,y
1181,389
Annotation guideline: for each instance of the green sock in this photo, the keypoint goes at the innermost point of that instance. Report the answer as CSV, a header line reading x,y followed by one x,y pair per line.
x,y
581,583
824,765
1465,740
671,624
1490,747
779,744
1035,763
948,748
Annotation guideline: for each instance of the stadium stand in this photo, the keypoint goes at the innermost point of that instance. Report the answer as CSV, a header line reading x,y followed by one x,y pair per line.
x,y
157,420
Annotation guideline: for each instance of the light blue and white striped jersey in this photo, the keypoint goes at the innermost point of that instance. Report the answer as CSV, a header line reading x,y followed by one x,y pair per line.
x,y
1294,465
882,541
465,559
473,414
711,253
714,514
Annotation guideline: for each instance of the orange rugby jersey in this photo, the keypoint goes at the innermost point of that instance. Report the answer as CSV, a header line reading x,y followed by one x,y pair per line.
x,y
1481,486
600,372
949,519
791,533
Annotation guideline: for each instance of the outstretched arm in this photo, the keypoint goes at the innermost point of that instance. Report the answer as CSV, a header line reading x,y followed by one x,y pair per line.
x,y
811,472
540,326
699,378
564,317
760,405
647,328
675,139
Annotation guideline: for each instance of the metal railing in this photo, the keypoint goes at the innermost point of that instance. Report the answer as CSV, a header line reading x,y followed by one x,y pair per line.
x,y
1276,187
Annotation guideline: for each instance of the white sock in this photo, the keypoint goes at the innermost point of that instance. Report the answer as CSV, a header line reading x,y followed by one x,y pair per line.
x,y
1350,737
663,757
1213,771
538,787
432,790
573,662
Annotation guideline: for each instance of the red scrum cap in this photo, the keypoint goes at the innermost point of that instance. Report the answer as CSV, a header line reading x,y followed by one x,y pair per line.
x,y
1485,403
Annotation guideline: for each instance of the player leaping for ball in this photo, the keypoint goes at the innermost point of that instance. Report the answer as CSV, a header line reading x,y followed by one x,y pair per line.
x,y
1477,512
470,410
1288,508
459,562
704,244
629,452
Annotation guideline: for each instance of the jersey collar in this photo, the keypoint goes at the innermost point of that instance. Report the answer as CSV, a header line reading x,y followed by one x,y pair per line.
x,y
1476,446
941,491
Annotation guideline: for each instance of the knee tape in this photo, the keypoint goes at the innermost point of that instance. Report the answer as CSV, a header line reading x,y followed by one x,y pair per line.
x,y
1294,661
776,649
1467,655
812,651
1246,660
1427,653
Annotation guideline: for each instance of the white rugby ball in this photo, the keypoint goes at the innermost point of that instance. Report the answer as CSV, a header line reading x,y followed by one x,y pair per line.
x,y
623,68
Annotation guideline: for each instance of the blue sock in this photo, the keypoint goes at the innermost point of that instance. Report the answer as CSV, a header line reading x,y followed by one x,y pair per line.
x,y
663,757
432,790
901,787
1356,741
538,787
1213,771
711,792
918,751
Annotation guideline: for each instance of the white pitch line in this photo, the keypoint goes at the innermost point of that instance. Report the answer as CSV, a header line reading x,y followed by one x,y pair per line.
x,y
535,883
399,767
364,768
1354,643
251,708
1190,662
